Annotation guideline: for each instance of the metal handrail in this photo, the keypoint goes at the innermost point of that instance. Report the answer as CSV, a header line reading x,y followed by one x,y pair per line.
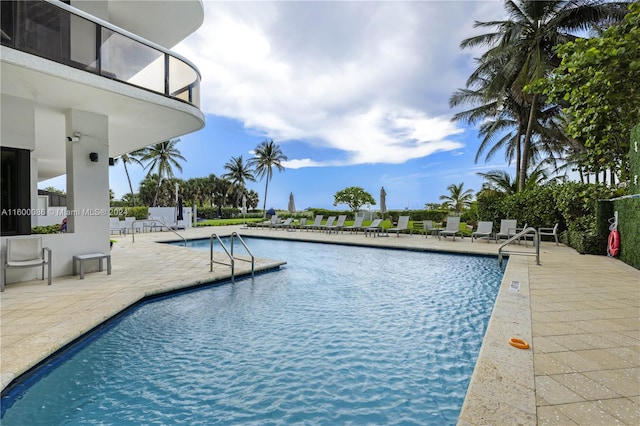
x,y
253,259
232,258
536,243
133,233
211,261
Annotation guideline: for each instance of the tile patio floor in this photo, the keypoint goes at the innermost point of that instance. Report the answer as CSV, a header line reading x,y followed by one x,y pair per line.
x,y
581,315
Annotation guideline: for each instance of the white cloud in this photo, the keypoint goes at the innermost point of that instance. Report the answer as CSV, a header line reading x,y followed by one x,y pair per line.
x,y
369,79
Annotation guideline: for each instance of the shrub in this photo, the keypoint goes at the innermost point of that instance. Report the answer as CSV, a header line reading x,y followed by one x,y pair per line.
x,y
49,229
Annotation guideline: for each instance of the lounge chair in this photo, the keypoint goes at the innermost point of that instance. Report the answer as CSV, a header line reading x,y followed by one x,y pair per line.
x,y
507,229
428,227
302,222
550,232
403,225
339,226
374,227
25,253
330,222
453,228
286,224
417,227
316,223
357,225
485,229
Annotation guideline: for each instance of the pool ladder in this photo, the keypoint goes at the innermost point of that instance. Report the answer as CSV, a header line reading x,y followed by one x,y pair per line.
x,y
523,233
232,259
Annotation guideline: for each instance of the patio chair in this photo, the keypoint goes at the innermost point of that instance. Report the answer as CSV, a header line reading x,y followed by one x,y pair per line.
x,y
316,223
357,225
284,225
373,228
403,225
485,229
507,229
339,226
330,222
550,232
25,253
453,228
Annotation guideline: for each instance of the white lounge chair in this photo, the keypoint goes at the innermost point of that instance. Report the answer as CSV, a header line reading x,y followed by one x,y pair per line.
x,y
550,232
403,225
357,225
338,226
25,253
507,229
453,227
485,229
373,228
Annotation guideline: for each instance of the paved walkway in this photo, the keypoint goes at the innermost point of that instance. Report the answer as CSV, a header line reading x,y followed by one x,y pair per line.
x,y
581,315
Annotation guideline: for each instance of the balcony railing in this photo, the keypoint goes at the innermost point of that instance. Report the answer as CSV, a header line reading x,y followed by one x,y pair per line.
x,y
61,33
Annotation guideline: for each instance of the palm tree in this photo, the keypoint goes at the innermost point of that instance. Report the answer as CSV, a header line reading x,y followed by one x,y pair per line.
x,y
266,156
524,42
458,198
238,173
131,157
162,158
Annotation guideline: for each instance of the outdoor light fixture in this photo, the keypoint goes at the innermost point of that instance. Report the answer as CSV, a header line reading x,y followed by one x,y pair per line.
x,y
75,138
93,157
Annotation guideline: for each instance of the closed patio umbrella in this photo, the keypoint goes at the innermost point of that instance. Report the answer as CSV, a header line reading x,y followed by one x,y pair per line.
x,y
383,201
292,204
180,209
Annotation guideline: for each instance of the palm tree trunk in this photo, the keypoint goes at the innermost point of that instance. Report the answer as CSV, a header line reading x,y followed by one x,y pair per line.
x,y
518,152
133,198
526,146
155,198
264,205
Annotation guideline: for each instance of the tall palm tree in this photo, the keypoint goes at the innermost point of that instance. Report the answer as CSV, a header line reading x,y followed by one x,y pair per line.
x,y
238,173
267,156
162,158
524,44
458,198
131,157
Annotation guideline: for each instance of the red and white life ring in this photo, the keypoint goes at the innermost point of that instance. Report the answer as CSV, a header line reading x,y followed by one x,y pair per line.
x,y
613,249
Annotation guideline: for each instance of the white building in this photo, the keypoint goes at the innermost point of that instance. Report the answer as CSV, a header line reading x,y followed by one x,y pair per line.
x,y
83,82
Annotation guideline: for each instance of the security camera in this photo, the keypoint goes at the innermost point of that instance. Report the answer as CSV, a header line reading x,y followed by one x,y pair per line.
x,y
73,139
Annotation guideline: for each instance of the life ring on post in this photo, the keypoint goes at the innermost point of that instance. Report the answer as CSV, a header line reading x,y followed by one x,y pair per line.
x,y
613,248
518,343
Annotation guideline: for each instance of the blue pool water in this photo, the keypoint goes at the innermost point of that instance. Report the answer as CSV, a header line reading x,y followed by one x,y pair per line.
x,y
340,335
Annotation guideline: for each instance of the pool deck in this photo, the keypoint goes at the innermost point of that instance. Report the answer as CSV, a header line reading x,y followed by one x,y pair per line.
x,y
581,315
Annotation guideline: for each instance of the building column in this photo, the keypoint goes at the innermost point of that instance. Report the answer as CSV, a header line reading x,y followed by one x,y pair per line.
x,y
87,160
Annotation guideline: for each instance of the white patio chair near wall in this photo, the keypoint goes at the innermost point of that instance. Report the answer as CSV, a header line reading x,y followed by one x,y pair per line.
x,y
25,253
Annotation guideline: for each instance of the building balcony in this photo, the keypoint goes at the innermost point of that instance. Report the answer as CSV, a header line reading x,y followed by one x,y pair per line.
x,y
55,31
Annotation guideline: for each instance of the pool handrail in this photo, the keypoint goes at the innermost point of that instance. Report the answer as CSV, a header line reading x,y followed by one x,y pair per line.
x,y
211,261
133,233
232,258
253,259
536,243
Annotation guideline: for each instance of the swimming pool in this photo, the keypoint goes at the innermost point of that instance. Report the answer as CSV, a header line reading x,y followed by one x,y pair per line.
x,y
339,335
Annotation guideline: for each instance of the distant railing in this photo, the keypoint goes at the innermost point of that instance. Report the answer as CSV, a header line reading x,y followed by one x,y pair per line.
x,y
61,33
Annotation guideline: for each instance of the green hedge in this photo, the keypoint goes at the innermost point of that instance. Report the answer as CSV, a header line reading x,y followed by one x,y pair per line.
x,y
571,204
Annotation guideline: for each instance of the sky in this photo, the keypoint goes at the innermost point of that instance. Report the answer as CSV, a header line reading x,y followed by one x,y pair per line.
x,y
354,93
